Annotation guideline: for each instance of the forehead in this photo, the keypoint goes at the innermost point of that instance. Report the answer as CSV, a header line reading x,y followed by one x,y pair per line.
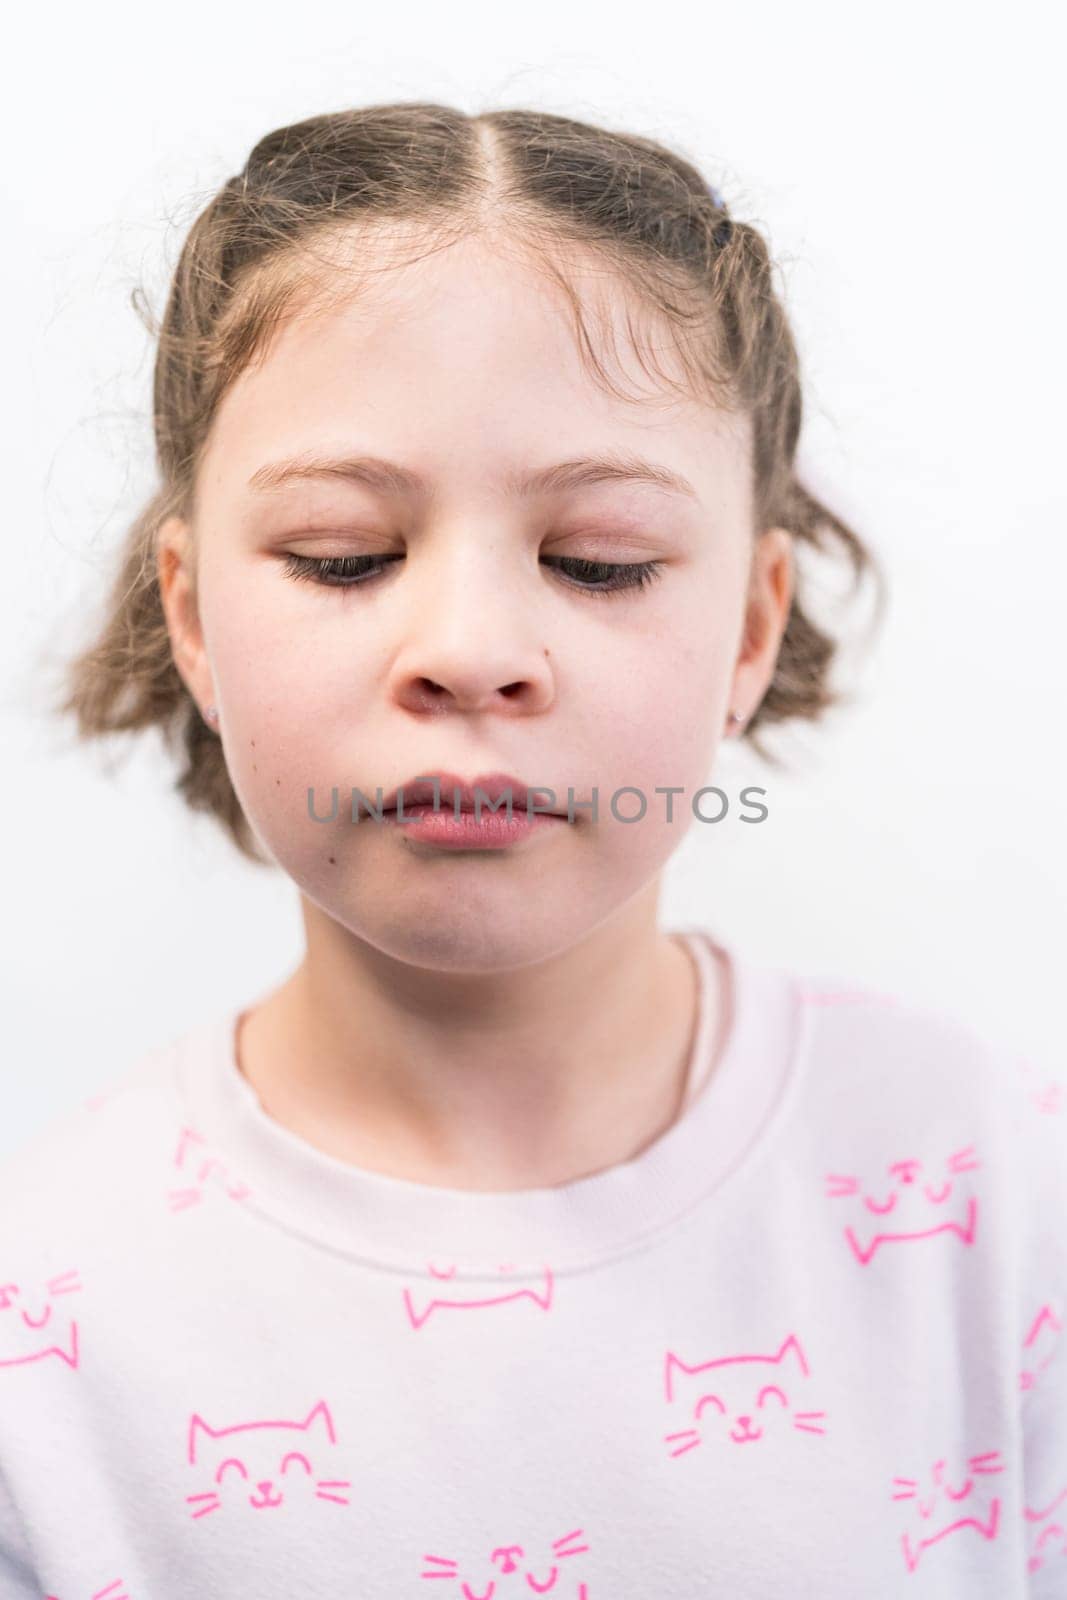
x,y
471,358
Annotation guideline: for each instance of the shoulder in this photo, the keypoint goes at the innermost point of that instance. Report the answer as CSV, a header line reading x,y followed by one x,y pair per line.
x,y
903,1083
919,1094
82,1170
859,1038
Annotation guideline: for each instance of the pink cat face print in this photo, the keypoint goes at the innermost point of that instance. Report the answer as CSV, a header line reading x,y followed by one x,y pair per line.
x,y
1043,1089
949,1502
1046,1522
909,1202
510,1569
741,1399
201,1173
34,1323
445,1292
1046,1534
268,1465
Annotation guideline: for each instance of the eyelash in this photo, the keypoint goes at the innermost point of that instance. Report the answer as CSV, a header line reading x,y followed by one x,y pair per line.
x,y
347,572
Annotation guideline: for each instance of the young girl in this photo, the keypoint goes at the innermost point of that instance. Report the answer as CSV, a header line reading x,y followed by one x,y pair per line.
x,y
512,1245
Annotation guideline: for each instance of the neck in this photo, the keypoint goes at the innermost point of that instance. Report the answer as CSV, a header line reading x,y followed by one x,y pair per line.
x,y
525,1078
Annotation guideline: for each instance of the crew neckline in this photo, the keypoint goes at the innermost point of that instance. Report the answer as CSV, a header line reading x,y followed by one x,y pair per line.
x,y
421,1228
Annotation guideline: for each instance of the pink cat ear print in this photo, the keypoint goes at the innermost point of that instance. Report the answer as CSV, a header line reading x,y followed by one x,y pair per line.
x,y
1039,1345
847,996
111,1591
317,1418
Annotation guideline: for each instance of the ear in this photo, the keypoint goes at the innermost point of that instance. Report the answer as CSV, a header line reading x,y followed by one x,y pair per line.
x,y
176,568
770,596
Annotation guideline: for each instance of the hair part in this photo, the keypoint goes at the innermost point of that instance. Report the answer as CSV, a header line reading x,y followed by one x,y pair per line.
x,y
324,204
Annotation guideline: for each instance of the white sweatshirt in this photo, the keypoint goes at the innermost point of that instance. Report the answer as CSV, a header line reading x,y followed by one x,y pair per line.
x,y
810,1342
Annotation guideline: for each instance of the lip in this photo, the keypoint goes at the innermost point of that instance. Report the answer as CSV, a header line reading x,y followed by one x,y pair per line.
x,y
491,831
491,787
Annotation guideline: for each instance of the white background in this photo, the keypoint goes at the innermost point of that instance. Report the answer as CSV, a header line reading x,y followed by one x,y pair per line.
x,y
906,164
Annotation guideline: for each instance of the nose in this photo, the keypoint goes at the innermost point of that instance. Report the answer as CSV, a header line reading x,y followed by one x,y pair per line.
x,y
472,645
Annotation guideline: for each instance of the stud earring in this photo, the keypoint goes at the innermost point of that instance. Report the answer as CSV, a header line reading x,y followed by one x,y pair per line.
x,y
211,713
736,716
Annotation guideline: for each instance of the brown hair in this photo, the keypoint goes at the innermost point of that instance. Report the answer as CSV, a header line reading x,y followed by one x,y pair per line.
x,y
261,250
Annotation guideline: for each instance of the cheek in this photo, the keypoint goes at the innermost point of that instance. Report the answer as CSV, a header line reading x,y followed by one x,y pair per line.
x,y
292,709
655,736
650,713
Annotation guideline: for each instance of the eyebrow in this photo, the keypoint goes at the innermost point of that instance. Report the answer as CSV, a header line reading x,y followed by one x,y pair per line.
x,y
389,477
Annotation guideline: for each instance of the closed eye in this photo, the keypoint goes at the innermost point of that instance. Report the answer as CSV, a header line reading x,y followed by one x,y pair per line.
x,y
346,572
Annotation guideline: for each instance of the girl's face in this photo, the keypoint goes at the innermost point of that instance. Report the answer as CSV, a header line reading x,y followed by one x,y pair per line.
x,y
469,649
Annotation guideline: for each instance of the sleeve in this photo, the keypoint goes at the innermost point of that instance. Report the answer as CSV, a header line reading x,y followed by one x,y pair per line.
x,y
1042,1188
18,1580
